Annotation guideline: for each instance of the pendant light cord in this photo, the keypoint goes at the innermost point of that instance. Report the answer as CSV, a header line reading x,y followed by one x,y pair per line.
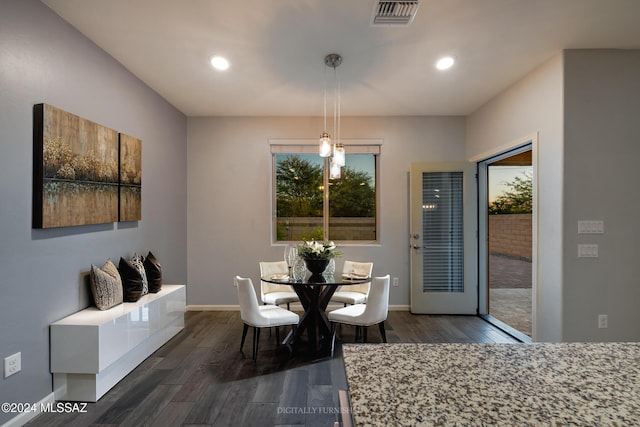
x,y
325,99
336,107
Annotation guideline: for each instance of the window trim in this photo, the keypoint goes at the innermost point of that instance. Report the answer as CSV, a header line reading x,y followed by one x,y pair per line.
x,y
310,146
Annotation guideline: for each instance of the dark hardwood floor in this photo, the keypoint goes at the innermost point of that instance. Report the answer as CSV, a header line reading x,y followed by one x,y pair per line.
x,y
200,378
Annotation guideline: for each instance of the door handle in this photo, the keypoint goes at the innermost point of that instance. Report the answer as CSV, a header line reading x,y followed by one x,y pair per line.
x,y
415,246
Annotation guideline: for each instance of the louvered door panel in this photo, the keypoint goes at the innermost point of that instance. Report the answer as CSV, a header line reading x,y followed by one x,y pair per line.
x,y
442,231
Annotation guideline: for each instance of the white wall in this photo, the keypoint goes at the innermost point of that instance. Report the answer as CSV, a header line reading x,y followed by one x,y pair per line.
x,y
229,199
43,59
533,105
602,148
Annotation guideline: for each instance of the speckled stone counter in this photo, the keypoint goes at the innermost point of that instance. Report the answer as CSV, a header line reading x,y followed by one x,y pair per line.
x,y
540,384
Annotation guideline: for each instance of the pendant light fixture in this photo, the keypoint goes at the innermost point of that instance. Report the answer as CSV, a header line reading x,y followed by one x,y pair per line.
x,y
339,154
332,60
325,145
334,169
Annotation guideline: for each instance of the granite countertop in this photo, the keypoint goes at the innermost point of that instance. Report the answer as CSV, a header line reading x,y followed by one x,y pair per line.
x,y
539,384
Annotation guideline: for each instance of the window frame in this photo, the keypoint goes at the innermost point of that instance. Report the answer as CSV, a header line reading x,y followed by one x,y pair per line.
x,y
310,146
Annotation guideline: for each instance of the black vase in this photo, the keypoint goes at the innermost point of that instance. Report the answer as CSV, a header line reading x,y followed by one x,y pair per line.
x,y
316,266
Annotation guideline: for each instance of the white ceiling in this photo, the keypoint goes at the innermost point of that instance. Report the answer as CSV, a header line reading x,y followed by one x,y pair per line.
x,y
277,49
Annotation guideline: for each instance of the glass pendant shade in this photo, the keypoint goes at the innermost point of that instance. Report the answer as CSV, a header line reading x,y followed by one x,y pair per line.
x,y
334,169
339,154
325,145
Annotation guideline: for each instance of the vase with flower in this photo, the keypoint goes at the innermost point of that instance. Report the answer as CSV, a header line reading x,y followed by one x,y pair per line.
x,y
317,255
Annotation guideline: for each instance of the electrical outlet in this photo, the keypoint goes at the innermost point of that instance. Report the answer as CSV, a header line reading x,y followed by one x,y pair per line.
x,y
12,364
603,321
395,282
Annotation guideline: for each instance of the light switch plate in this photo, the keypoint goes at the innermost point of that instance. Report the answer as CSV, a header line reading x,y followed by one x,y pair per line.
x,y
590,227
588,251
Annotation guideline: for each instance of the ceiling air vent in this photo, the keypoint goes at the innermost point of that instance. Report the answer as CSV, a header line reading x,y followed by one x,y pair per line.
x,y
394,12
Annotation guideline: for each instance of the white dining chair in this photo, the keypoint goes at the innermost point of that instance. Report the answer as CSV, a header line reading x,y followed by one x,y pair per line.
x,y
260,316
274,294
354,294
374,312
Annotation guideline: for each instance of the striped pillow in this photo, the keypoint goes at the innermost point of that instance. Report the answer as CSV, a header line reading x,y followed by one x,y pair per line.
x,y
138,262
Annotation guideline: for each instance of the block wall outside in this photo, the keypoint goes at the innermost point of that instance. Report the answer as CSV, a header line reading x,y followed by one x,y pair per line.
x,y
510,235
346,228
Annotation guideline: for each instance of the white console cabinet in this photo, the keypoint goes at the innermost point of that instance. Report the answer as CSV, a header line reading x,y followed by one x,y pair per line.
x,y
92,350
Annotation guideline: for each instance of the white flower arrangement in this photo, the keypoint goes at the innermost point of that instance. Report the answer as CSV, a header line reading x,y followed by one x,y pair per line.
x,y
318,250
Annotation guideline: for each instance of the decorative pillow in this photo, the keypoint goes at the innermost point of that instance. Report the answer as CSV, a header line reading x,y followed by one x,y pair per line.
x,y
132,280
106,285
138,262
153,270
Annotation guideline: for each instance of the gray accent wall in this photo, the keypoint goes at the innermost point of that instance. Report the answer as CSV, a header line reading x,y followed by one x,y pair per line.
x,y
43,272
601,152
229,181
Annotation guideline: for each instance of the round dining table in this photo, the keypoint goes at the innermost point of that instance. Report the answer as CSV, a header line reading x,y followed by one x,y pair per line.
x,y
314,292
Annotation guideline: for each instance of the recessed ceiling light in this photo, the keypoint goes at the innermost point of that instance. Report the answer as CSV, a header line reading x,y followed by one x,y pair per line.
x,y
219,63
445,63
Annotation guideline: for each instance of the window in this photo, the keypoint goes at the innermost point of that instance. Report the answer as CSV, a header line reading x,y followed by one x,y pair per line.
x,y
309,205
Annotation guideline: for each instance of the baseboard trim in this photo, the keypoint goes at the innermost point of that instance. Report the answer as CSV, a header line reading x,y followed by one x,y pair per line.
x,y
295,306
206,307
25,417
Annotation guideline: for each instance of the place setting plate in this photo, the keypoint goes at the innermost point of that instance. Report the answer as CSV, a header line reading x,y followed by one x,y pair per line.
x,y
354,276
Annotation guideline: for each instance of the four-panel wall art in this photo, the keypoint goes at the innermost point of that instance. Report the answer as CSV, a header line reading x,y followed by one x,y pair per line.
x,y
83,172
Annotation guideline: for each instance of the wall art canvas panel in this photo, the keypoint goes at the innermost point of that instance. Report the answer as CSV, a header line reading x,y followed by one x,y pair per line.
x,y
130,178
75,170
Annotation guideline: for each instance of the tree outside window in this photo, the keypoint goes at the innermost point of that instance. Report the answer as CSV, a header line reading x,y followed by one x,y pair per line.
x,y
518,199
301,189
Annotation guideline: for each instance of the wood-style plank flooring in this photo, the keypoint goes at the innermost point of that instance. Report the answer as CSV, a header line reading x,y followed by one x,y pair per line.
x,y
200,378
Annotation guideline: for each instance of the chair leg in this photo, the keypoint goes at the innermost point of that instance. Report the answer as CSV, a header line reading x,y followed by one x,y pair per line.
x,y
382,331
293,337
278,334
244,335
256,340
364,334
333,336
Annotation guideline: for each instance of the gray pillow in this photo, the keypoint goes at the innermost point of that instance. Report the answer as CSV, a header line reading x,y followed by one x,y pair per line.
x,y
106,285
